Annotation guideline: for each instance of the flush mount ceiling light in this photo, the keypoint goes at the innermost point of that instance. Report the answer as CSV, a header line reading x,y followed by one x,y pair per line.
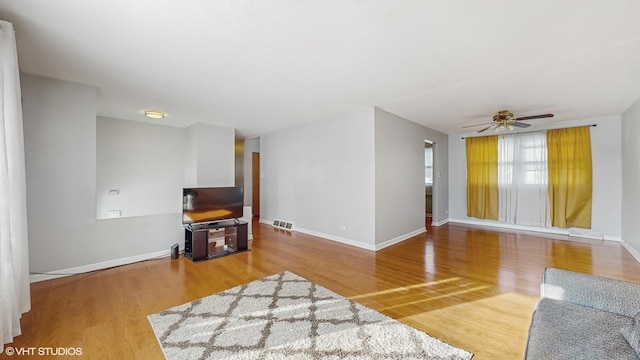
x,y
154,114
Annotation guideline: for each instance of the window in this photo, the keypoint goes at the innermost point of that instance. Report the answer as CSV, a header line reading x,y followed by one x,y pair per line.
x,y
526,155
540,176
522,179
428,165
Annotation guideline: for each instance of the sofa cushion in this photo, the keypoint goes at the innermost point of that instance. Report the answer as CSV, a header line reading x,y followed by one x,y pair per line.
x,y
632,333
564,330
620,297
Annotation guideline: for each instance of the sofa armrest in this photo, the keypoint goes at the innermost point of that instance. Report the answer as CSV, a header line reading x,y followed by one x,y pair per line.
x,y
616,296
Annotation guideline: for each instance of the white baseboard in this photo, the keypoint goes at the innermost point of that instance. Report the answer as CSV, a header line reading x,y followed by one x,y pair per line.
x,y
339,239
630,249
346,241
510,226
96,266
439,223
556,231
164,253
400,238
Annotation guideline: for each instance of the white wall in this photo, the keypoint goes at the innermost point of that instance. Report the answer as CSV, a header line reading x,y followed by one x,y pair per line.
x,y
250,146
144,162
607,175
399,169
191,157
363,172
321,176
215,147
631,178
59,129
60,150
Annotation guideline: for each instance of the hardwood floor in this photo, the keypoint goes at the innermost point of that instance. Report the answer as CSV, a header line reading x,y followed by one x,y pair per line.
x,y
471,287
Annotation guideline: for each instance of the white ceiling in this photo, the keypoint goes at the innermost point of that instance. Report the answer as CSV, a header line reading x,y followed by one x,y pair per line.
x,y
260,66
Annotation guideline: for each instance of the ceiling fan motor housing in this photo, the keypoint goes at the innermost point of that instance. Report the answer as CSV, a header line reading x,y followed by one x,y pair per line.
x,y
503,116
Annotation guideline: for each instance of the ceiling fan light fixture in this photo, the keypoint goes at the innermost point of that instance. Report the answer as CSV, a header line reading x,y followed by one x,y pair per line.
x,y
504,125
154,114
504,120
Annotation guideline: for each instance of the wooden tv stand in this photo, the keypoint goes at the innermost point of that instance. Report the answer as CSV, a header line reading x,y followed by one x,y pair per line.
x,y
208,241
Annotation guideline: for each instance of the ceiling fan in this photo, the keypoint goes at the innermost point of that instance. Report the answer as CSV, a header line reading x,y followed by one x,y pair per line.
x,y
505,120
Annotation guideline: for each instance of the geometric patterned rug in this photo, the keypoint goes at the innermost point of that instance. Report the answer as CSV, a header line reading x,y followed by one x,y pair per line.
x,y
285,316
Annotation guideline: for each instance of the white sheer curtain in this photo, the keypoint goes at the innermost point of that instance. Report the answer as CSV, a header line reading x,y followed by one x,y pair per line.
x,y
522,179
14,253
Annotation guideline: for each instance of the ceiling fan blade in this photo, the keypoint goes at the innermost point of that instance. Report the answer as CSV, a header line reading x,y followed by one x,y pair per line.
x,y
487,128
468,126
535,117
520,124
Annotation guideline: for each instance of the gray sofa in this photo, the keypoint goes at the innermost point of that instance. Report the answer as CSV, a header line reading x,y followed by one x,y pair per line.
x,y
580,316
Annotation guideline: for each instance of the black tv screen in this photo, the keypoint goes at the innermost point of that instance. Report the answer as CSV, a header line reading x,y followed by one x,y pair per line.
x,y
206,205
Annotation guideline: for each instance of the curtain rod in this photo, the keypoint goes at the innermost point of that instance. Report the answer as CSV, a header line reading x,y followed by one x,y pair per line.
x,y
531,132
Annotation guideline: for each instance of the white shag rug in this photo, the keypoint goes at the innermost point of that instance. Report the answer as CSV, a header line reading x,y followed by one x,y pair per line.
x,y
285,316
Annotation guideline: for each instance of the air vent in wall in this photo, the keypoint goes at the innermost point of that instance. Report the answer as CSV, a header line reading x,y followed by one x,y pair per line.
x,y
283,225
586,233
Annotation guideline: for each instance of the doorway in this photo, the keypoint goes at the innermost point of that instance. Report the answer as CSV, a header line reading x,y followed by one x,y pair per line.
x,y
428,183
255,184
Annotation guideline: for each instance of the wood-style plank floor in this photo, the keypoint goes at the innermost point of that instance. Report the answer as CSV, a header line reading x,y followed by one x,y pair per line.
x,y
474,288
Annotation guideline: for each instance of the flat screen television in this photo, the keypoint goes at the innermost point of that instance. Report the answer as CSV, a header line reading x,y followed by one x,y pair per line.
x,y
211,204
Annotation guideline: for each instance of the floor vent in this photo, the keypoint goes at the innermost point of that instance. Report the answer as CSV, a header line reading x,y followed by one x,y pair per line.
x,y
586,233
283,225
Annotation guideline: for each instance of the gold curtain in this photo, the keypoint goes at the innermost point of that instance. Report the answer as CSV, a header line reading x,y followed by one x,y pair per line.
x,y
570,177
482,177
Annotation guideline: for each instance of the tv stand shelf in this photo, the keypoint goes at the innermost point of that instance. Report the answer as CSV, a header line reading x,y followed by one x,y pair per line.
x,y
208,241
